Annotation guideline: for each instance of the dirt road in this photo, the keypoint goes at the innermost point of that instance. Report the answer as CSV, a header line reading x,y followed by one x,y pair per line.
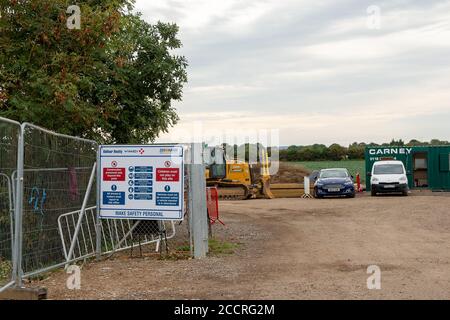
x,y
296,249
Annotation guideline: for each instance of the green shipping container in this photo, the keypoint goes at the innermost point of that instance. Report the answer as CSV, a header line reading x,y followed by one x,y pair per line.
x,y
427,167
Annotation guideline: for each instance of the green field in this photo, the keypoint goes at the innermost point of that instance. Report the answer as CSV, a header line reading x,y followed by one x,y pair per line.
x,y
353,166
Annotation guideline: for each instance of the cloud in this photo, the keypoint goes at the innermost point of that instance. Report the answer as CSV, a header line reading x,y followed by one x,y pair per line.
x,y
427,37
402,114
312,69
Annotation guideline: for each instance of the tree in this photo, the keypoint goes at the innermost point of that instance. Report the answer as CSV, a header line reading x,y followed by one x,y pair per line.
x,y
356,151
394,142
415,142
290,154
306,154
437,142
336,152
113,80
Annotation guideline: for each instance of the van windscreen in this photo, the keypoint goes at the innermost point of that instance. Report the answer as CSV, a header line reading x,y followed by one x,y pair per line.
x,y
388,169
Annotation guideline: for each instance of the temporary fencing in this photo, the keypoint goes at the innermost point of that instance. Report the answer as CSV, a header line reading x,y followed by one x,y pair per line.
x,y
9,137
48,213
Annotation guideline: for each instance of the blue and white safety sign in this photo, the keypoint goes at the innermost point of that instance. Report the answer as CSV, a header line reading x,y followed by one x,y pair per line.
x,y
141,182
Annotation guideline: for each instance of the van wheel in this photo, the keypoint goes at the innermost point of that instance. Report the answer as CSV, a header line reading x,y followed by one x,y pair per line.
x,y
373,193
405,193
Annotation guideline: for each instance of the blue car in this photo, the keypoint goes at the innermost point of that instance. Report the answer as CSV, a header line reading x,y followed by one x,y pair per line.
x,y
334,182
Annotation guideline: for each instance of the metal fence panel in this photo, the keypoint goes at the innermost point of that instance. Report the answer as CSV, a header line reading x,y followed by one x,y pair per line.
x,y
9,134
56,172
116,235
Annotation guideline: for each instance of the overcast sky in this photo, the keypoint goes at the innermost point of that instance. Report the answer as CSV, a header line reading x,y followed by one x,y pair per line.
x,y
312,69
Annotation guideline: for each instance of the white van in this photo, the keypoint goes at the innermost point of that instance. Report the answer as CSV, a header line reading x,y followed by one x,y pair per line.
x,y
389,177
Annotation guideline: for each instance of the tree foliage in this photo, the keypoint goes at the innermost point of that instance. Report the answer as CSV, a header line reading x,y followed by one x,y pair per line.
x,y
113,80
336,152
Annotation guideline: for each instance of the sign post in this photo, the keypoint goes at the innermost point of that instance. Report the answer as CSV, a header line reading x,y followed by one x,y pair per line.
x,y
197,202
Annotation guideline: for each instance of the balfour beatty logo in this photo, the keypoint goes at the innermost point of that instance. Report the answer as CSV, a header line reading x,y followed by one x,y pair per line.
x,y
112,151
389,151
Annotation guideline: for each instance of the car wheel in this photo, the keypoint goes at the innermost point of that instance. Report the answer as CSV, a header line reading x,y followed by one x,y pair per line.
x,y
405,193
373,193
351,196
316,195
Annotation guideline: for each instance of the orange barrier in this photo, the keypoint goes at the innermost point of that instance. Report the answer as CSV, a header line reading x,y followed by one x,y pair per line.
x,y
358,182
212,204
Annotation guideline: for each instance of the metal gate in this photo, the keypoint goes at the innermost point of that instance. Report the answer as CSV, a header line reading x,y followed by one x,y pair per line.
x,y
9,135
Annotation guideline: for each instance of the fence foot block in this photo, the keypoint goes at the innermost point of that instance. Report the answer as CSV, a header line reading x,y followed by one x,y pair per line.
x,y
24,294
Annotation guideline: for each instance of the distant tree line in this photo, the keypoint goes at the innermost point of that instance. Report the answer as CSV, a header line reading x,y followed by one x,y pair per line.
x,y
336,152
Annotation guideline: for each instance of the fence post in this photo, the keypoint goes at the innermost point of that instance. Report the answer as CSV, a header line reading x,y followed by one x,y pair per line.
x,y
307,186
197,202
205,224
98,225
17,260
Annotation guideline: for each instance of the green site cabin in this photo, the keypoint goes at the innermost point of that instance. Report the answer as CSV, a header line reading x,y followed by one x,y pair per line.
x,y
427,167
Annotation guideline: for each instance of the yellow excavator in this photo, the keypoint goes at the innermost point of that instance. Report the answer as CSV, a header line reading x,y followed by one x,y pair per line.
x,y
237,179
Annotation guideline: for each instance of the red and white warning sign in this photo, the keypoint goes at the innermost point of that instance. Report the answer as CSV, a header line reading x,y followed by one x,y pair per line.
x,y
141,182
168,174
113,174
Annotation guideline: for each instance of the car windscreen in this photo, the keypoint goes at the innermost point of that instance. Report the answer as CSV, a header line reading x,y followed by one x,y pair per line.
x,y
333,174
388,169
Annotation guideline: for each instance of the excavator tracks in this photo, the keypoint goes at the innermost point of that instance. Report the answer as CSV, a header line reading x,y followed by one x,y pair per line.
x,y
230,190
226,193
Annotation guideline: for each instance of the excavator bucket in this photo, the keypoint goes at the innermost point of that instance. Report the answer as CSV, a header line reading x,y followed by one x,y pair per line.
x,y
287,190
265,179
266,188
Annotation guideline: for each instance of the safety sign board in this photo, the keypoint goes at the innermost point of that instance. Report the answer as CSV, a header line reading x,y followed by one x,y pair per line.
x,y
141,182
